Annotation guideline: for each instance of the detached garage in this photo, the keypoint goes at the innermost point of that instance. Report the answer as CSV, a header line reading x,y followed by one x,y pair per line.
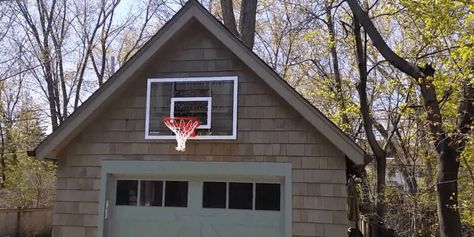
x,y
254,157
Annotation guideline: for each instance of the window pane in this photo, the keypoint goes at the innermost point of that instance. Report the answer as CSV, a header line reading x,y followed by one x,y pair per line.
x,y
267,197
214,195
176,194
240,195
126,192
151,193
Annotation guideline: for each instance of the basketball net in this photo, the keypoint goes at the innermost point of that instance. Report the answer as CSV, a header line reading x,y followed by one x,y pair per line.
x,y
183,128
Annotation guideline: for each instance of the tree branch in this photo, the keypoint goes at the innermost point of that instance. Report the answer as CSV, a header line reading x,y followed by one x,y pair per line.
x,y
380,43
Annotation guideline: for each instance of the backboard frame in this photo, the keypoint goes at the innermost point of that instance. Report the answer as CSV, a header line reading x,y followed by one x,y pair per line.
x,y
232,136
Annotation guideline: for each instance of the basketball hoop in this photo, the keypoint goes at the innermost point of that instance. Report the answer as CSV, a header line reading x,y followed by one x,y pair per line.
x,y
183,128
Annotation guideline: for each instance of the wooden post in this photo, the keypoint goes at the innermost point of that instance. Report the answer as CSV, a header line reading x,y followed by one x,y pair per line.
x,y
18,221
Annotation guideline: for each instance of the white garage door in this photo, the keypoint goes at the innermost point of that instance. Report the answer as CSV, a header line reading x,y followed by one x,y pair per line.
x,y
197,206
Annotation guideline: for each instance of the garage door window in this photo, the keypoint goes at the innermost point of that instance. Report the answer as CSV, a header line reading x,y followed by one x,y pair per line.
x,y
214,194
127,192
267,197
240,195
176,194
151,193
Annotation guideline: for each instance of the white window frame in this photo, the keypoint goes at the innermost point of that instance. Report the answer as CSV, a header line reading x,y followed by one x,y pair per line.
x,y
232,136
207,125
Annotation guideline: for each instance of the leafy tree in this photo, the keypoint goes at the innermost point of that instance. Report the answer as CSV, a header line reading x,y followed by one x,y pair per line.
x,y
394,101
26,182
449,140
30,183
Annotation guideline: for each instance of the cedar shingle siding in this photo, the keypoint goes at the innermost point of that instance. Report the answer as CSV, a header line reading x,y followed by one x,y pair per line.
x,y
269,130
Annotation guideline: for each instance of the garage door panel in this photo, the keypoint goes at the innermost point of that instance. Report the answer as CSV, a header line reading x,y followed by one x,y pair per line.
x,y
195,219
231,223
241,216
138,227
146,212
237,230
134,221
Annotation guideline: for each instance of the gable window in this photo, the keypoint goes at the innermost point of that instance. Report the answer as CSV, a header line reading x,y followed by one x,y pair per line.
x,y
212,100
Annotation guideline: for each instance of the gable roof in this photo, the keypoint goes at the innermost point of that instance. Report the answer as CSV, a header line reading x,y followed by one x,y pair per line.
x,y
194,10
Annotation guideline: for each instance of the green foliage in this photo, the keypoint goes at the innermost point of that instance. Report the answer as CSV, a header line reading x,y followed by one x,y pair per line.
x,y
466,185
411,215
446,28
30,182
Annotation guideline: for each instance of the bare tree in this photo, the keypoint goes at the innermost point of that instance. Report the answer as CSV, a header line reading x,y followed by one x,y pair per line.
x,y
66,46
134,36
39,30
88,35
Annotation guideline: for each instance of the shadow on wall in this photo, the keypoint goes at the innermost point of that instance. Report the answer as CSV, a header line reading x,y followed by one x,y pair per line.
x,y
30,222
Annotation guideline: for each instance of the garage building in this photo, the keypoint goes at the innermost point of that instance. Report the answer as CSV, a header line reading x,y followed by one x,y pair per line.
x,y
263,161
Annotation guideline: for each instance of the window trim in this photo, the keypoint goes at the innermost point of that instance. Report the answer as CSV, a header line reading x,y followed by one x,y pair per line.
x,y
233,136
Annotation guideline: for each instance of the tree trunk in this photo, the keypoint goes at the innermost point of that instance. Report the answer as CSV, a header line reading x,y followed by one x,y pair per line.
x,y
51,95
335,64
448,164
401,157
379,152
248,11
57,40
447,189
228,16
2,157
247,22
